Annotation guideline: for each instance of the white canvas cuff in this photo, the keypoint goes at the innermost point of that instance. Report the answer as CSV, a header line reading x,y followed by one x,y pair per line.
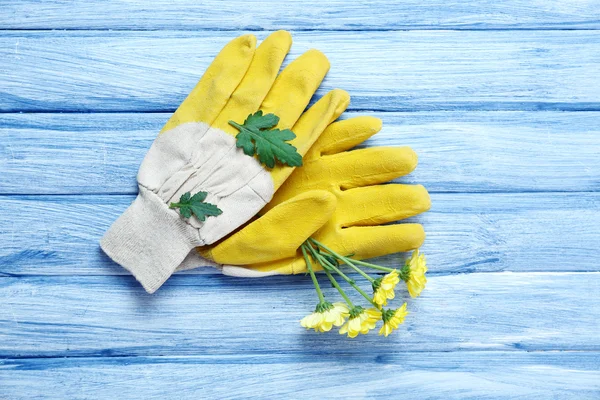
x,y
150,240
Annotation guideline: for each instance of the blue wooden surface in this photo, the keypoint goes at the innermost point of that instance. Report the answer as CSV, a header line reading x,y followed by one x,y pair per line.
x,y
501,100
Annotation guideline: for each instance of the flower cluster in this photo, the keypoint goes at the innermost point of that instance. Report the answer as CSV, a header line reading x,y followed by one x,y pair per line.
x,y
355,320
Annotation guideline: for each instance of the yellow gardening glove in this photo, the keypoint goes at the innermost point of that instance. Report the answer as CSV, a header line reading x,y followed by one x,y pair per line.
x,y
353,177
196,152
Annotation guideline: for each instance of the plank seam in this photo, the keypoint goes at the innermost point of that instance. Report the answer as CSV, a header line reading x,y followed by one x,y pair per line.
x,y
406,28
188,275
485,106
26,196
267,353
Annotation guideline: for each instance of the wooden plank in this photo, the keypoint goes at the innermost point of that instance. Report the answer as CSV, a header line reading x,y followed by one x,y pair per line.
x,y
113,316
305,14
422,375
458,151
382,70
59,235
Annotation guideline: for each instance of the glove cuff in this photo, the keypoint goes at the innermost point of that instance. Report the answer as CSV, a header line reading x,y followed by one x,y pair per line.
x,y
150,240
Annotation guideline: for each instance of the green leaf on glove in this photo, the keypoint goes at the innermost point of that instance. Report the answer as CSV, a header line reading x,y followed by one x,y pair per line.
x,y
270,145
195,204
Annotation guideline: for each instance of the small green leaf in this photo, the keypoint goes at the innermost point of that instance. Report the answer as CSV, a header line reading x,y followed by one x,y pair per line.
x,y
270,145
185,197
195,205
260,121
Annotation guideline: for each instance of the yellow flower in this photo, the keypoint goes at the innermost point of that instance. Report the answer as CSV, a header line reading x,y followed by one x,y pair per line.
x,y
326,315
413,273
360,321
392,319
383,288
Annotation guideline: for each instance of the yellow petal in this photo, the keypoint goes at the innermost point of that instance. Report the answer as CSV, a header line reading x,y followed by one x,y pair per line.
x,y
325,326
344,329
385,330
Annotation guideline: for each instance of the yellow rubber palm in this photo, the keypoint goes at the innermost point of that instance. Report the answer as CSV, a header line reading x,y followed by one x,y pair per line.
x,y
351,225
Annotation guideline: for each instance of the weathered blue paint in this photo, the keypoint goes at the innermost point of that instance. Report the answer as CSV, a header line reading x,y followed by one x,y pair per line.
x,y
95,316
92,71
501,100
215,15
507,151
414,374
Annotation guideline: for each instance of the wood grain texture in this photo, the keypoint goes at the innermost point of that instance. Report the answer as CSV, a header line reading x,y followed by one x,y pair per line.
x,y
387,71
420,375
215,315
59,235
299,14
472,151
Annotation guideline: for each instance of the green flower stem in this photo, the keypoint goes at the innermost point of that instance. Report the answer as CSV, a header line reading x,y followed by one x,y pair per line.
x,y
339,289
354,267
326,264
346,260
374,266
359,290
312,275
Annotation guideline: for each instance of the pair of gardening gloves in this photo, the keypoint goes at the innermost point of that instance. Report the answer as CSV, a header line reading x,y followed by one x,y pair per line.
x,y
337,196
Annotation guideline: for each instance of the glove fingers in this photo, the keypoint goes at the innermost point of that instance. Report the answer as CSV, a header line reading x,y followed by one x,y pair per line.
x,y
312,123
363,242
375,241
344,135
376,205
259,78
295,86
347,170
211,93
370,166
277,234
